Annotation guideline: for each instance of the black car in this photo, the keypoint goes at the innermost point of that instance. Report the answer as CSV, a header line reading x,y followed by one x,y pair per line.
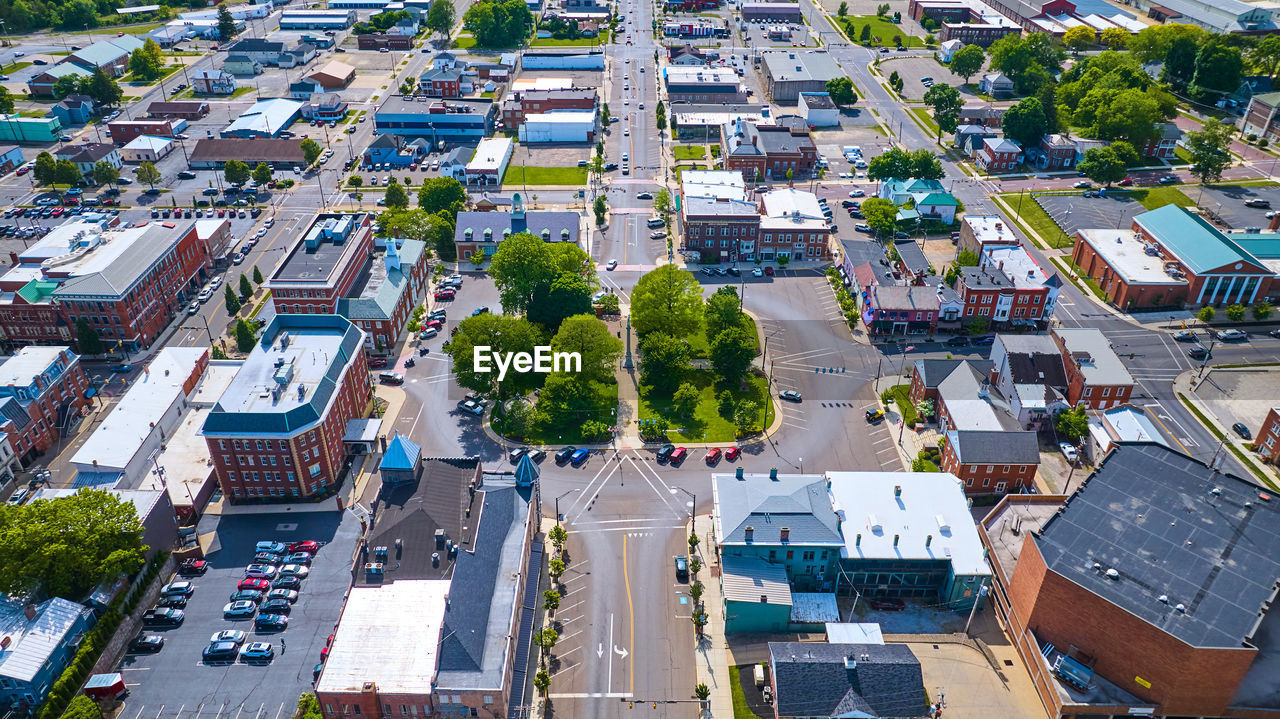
x,y
147,643
733,270
989,339
1199,353
887,605
563,455
172,601
665,452
1257,202
287,582
958,341
162,617
276,606
682,568
538,455
271,621
610,166
1241,430
267,558
221,652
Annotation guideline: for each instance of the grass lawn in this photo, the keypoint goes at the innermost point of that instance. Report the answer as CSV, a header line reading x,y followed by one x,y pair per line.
x,y
901,396
32,113
464,41
741,710
1033,215
165,72
1067,266
882,28
690,167
112,30
190,93
16,66
553,42
706,425
925,116
522,175
689,152
1157,197
605,404
1184,157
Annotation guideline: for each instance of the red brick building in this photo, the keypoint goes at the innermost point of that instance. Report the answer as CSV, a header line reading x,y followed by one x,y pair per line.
x,y
997,154
768,151
719,229
1057,152
992,462
377,41
533,102
441,82
277,431
1268,435
1171,632
1009,288
126,284
42,394
1096,376
127,130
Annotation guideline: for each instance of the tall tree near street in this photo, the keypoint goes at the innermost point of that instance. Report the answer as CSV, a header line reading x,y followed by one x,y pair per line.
x,y
237,172
105,173
946,104
731,354
1219,68
593,341
396,198
44,170
669,299
1101,165
897,162
1025,122
1048,97
841,91
243,332
664,360
1079,38
1179,62
881,215
226,24
311,151
967,61
503,333
1115,38
1265,56
148,173
65,172
262,173
522,264
441,16
1210,151
232,302
442,194
104,90
144,65
87,340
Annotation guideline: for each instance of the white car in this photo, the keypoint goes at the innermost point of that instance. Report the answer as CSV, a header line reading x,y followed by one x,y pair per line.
x,y
1068,451
194,307
242,608
228,635
215,283
258,650
757,272
1231,335
857,193
294,570
260,571
204,295
262,232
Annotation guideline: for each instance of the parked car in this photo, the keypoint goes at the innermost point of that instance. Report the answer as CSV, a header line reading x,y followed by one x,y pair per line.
x,y
146,643
1232,335
234,636
1257,202
1199,353
287,595
162,617
579,456
257,652
260,571
682,568
246,595
874,415
271,622
1068,451
277,606
1241,430
193,567
294,570
790,395
221,652
678,455
289,582
255,583
177,589
242,609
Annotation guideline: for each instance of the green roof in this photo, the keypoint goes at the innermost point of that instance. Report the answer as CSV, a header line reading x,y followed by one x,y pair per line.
x,y
37,291
1198,244
938,198
1264,246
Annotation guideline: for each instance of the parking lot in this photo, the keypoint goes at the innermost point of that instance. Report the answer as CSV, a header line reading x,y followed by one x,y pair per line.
x,y
1239,395
1228,202
1074,212
829,142
913,69
175,683
758,35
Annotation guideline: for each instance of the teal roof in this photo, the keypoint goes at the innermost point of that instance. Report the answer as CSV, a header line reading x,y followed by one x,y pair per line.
x,y
910,185
526,471
1198,244
904,215
1264,246
401,455
381,305
938,198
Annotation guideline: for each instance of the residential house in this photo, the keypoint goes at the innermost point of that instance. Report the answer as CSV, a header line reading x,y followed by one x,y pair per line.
x,y
998,154
42,639
1027,369
1261,117
996,84
325,106
213,82
1163,146
814,679
10,158
304,88
441,82
947,49
73,110
992,461
901,310
41,83
969,138
241,65
768,151
297,56
1056,152
454,164
927,199
1096,376
927,375
987,116
86,155
686,56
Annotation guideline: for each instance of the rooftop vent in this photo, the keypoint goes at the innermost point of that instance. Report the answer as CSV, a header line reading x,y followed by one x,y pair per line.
x,y
1113,574
1164,598
1181,607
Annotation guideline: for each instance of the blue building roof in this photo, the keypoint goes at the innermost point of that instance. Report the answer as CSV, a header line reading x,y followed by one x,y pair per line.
x,y
401,455
1198,244
526,472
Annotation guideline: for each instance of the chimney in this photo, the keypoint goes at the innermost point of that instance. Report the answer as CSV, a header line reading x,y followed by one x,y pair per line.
x,y
773,473
785,534
897,490
749,534
30,612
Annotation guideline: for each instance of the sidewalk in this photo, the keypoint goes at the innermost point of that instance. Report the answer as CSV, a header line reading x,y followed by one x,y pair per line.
x,y
711,652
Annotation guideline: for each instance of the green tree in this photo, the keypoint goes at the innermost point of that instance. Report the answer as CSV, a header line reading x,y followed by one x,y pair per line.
x,y
1180,63
685,399
1025,122
105,173
144,65
45,169
723,311
1126,153
1262,310
499,23
65,172
662,202
864,36
65,85
898,162
593,341
237,172
244,335
1101,165
1235,313
601,210
946,103
82,707
1154,43
257,276
1048,97
669,299
604,114
1029,60
226,24
551,600
1078,38
311,151
65,547
246,288
504,333
724,403
660,116
233,302
1072,423
522,265
77,15
442,194
843,9
546,639
746,418
148,173
1210,151
1115,38
262,173
967,61
967,258
731,354
841,91
664,360
308,706
397,198
542,682
881,216
1219,68
104,90
87,339
441,16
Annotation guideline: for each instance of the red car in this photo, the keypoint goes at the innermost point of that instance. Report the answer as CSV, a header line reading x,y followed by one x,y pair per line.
x,y
260,585
731,454
377,362
768,271
304,546
435,325
445,294
677,456
713,455
1125,182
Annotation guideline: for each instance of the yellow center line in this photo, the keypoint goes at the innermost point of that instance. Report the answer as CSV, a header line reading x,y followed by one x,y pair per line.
x,y
631,615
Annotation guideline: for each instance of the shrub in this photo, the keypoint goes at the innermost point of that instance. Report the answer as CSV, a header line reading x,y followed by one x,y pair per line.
x,y
1206,314
1235,313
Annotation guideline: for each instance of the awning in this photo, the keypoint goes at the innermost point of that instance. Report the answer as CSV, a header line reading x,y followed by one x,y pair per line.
x,y
362,431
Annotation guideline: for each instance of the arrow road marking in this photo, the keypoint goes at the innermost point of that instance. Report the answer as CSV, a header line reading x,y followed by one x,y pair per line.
x,y
621,652
599,651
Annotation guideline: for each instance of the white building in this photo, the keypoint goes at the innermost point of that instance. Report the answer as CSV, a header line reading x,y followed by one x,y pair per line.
x,y
718,184
489,163
147,148
819,110
563,126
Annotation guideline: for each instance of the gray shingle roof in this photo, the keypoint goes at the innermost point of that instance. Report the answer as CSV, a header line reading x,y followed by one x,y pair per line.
x,y
986,447
881,680
798,502
533,222
934,371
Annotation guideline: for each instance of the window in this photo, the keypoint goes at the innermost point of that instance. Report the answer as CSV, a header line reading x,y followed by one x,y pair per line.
x,y
991,468
999,487
314,469
1106,391
1088,391
1006,469
1022,469
222,444
986,481
773,554
791,554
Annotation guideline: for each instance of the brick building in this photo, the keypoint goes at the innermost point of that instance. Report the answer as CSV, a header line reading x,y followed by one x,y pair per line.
x,y
1009,288
703,84
324,265
1268,435
901,310
441,82
535,102
1147,593
126,130
42,395
173,110
127,284
1056,152
997,154
768,151
970,22
992,462
720,229
1096,376
277,431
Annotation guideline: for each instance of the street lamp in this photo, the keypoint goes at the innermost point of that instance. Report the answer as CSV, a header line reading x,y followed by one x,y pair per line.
x,y
566,494
693,502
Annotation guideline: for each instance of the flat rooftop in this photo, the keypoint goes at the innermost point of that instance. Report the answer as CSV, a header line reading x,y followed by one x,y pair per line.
x,y
186,461
990,229
1012,521
907,515
73,249
490,155
1150,523
1125,253
26,364
329,244
411,611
